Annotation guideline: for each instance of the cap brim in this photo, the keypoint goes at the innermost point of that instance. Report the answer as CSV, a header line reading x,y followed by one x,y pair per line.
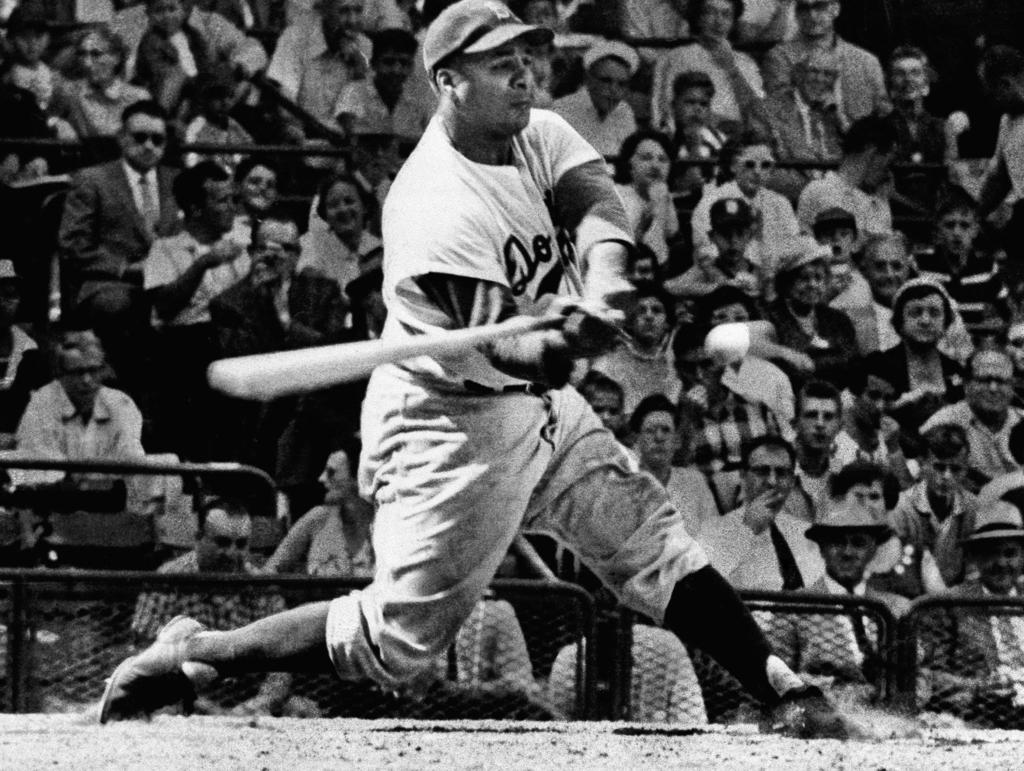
x,y
992,536
817,533
506,33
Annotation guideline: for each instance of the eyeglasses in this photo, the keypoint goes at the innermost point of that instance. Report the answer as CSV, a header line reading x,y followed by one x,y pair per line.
x,y
763,165
856,540
141,137
764,472
223,542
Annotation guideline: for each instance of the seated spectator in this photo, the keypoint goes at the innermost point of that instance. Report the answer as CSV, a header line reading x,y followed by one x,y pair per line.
x,y
22,366
599,110
663,686
28,38
215,95
726,260
97,100
985,414
642,169
346,249
176,39
859,185
695,135
642,266
921,136
181,275
869,432
746,166
804,322
840,650
970,662
112,214
383,103
332,539
818,422
22,118
256,184
642,367
654,425
316,56
804,123
222,546
860,89
737,79
848,290
938,512
760,545
607,399
967,271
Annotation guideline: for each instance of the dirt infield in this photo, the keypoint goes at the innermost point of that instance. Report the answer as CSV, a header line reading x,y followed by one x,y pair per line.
x,y
60,741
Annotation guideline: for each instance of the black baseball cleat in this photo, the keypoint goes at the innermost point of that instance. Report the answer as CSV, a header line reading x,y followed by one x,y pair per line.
x,y
806,713
155,678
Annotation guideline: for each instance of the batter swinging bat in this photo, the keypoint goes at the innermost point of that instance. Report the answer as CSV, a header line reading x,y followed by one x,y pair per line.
x,y
266,376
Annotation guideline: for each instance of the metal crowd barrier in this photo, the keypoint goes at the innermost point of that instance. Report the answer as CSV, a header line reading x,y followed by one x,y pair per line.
x,y
65,631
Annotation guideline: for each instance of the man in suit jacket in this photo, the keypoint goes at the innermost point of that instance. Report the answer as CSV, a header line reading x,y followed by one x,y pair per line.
x,y
972,661
841,648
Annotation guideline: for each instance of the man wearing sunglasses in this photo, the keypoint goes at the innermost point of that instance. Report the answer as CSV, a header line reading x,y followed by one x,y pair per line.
x,y
112,215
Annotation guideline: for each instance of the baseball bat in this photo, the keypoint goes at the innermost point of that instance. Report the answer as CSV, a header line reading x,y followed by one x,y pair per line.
x,y
266,376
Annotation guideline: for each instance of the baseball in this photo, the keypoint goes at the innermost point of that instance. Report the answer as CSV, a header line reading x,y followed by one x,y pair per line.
x,y
958,122
728,342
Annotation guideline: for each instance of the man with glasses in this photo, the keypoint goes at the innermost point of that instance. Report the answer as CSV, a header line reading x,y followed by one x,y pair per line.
x,y
599,110
985,413
760,545
860,88
222,545
112,215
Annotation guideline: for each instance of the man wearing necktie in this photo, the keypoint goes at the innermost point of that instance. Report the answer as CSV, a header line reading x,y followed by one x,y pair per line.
x,y
972,657
842,648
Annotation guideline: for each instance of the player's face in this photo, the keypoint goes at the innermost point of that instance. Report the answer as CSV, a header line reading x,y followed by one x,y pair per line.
x,y
944,476
1000,562
649,164
769,471
729,313
494,91
607,83
956,231
607,405
343,210
692,107
818,423
142,140
258,189
223,545
924,320
846,556
656,440
886,270
752,167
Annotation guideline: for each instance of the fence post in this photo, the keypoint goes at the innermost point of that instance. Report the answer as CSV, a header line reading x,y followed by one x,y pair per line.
x,y
17,641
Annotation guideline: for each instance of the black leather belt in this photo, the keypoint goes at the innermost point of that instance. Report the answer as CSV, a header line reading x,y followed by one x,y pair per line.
x,y
536,389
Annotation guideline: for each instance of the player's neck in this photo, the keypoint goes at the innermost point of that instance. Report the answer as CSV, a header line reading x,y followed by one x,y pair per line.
x,y
477,145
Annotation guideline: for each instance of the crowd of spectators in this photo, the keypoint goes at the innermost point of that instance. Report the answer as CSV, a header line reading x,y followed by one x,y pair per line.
x,y
218,193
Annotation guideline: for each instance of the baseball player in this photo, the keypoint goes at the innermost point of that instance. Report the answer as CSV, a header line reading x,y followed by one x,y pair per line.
x,y
501,210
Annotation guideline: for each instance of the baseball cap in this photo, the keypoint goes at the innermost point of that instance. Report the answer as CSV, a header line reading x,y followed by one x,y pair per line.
x,y
603,49
24,19
832,218
475,26
731,213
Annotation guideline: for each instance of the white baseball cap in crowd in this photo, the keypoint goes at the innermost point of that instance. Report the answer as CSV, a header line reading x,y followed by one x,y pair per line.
x,y
616,49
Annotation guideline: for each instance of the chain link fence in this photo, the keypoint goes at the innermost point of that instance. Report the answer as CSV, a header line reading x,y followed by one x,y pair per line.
x,y
964,656
64,632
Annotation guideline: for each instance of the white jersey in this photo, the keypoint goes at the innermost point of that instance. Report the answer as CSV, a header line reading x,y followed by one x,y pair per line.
x,y
447,214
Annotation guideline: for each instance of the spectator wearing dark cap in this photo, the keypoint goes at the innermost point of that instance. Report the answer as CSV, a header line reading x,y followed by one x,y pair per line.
x,y
821,340
599,110
696,137
848,290
723,260
383,103
745,169
859,185
803,121
958,261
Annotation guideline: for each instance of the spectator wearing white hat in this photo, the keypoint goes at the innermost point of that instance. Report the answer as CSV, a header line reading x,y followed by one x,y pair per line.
x,y
598,110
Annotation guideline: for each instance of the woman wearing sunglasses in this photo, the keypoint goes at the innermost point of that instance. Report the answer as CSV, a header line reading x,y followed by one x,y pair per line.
x,y
745,167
